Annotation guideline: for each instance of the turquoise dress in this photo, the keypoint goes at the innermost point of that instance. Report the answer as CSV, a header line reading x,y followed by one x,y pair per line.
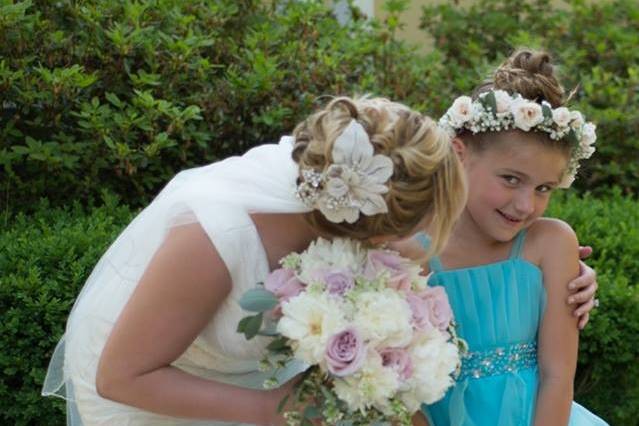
x,y
498,308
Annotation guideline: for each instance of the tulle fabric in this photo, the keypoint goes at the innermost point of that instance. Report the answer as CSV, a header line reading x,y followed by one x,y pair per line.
x,y
220,198
495,306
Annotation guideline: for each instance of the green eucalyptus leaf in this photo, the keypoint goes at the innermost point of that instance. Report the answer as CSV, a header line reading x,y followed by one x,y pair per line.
x,y
258,300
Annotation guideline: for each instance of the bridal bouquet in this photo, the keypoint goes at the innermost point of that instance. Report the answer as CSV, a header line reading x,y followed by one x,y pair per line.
x,y
379,341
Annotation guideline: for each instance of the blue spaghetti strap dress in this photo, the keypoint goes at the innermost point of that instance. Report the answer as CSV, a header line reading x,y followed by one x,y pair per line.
x,y
498,309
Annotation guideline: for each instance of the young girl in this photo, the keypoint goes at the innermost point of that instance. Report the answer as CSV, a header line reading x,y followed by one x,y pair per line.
x,y
152,338
505,268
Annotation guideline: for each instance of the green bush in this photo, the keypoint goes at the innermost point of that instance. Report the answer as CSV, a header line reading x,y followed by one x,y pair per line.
x,y
46,257
122,94
609,348
595,44
44,260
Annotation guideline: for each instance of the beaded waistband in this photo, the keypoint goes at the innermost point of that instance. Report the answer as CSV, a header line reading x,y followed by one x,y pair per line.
x,y
477,364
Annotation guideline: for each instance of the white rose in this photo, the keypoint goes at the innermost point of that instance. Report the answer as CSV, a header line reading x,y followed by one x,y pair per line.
x,y
576,119
588,134
384,317
503,101
309,320
526,114
461,111
373,385
561,116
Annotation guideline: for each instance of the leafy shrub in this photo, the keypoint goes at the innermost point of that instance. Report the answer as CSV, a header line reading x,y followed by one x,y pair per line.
x,y
595,44
46,257
121,95
44,260
607,371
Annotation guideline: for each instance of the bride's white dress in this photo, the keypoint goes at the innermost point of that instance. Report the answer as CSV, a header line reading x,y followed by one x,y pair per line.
x,y
220,197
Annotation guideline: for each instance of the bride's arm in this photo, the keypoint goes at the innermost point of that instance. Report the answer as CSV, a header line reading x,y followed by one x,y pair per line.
x,y
183,286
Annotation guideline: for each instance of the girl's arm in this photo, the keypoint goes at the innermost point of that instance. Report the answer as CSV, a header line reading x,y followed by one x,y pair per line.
x,y
182,288
558,335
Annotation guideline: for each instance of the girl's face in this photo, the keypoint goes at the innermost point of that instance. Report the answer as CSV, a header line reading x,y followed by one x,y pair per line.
x,y
509,183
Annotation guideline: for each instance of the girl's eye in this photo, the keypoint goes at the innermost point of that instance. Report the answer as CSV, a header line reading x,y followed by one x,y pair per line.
x,y
544,188
510,179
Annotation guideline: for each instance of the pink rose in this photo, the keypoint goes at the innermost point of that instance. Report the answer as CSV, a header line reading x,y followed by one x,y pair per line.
x,y
379,261
345,352
284,285
339,282
420,309
399,360
440,313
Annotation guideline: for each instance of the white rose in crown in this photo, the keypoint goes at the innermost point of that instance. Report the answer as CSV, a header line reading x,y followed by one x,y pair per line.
x,y
461,111
503,101
576,120
526,114
561,116
588,134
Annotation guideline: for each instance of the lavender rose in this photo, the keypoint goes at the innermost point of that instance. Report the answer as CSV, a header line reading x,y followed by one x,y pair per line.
x,y
345,352
399,360
420,309
339,282
283,283
440,313
379,261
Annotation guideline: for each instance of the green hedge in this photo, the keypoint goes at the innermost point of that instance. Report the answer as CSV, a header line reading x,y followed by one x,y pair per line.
x,y
45,258
594,43
608,374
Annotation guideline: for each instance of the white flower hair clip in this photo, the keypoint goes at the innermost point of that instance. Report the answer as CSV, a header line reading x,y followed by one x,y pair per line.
x,y
353,183
497,110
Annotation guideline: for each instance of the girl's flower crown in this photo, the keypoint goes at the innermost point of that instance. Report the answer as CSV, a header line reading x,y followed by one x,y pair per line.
x,y
497,110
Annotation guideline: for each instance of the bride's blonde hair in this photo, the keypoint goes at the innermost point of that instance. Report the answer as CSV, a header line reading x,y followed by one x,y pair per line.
x,y
427,177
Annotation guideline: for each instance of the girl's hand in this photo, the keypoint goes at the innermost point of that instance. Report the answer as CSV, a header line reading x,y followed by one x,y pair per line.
x,y
584,288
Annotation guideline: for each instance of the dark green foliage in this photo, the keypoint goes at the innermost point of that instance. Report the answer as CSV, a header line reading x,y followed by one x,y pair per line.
x,y
122,94
609,346
44,260
595,46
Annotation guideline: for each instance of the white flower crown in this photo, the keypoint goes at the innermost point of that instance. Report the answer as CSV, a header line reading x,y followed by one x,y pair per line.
x,y
497,110
353,183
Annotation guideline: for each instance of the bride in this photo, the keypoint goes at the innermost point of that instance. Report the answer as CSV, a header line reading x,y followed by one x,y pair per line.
x,y
152,336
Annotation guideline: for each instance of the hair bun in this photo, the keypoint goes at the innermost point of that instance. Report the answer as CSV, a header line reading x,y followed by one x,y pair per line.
x,y
531,74
532,62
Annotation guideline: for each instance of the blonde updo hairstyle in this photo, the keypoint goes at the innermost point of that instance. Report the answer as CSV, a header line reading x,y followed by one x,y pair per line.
x,y
427,177
531,74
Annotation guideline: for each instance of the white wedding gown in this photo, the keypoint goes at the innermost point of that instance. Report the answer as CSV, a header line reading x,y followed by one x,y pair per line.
x,y
220,197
